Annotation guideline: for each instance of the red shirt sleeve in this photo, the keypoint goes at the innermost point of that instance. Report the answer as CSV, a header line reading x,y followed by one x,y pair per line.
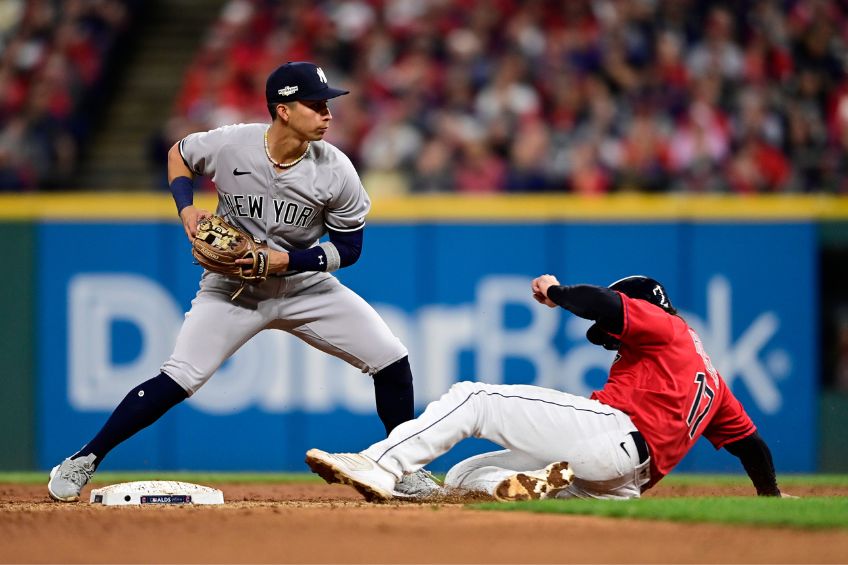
x,y
730,422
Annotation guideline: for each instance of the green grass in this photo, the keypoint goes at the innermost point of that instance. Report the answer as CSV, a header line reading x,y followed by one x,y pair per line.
x,y
808,512
812,512
787,480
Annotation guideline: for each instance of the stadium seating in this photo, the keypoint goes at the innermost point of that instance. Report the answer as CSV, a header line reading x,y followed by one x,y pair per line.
x,y
579,96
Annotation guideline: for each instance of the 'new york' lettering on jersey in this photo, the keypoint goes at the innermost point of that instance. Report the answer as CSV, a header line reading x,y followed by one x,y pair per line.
x,y
290,209
252,206
662,366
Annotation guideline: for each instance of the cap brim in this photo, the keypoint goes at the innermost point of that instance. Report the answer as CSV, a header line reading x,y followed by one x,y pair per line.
x,y
325,94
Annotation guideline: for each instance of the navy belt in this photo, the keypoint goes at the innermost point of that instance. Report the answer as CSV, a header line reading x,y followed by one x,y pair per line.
x,y
641,446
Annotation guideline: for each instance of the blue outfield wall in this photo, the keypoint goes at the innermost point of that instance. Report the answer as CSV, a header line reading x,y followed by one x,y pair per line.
x,y
458,296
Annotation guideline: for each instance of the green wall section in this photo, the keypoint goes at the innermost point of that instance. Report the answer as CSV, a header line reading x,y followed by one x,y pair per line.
x,y
833,433
834,233
17,339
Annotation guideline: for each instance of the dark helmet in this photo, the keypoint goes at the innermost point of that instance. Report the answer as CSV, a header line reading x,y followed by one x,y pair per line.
x,y
635,286
646,288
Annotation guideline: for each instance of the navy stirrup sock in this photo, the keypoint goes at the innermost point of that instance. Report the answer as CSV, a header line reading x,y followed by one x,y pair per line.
x,y
142,406
394,394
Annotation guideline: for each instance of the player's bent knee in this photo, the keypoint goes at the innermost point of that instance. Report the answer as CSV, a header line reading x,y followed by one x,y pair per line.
x,y
465,388
456,474
380,358
184,375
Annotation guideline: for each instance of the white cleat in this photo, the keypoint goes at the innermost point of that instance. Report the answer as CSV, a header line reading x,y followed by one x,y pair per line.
x,y
535,485
354,469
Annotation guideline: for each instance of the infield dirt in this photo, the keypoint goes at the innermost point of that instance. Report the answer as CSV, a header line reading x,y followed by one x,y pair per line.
x,y
314,523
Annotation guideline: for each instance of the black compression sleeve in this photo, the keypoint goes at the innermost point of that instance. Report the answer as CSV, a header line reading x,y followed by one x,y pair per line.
x,y
349,244
591,302
755,456
344,249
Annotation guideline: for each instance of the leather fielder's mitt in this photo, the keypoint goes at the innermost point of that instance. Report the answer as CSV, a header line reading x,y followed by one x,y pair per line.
x,y
218,244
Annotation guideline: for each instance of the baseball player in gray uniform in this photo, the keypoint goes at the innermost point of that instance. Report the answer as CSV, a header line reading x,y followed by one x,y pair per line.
x,y
285,185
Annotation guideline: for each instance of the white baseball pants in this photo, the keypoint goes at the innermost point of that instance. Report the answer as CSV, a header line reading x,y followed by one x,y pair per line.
x,y
537,426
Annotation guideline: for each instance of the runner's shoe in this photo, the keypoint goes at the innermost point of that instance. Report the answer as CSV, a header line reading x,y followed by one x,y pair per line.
x,y
68,478
354,469
534,485
419,484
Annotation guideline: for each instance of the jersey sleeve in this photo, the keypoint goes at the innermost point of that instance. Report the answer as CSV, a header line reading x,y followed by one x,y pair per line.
x,y
644,323
198,150
349,205
730,423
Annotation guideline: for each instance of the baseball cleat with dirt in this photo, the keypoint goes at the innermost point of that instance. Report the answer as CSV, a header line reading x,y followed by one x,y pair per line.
x,y
354,469
535,485
420,484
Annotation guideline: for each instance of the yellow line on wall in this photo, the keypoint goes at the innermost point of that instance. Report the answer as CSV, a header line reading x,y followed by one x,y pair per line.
x,y
501,208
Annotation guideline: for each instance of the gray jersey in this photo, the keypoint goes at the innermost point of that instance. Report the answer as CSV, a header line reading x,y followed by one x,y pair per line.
x,y
292,208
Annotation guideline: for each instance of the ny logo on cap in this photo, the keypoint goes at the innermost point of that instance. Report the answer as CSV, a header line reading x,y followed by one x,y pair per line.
x,y
321,74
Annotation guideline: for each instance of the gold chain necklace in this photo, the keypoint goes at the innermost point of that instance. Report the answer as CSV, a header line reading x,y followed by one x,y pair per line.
x,y
284,165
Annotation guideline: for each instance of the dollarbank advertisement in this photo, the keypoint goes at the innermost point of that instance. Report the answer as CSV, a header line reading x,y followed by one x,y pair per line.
x,y
458,296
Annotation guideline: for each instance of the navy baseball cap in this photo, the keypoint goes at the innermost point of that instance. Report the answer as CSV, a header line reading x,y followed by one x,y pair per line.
x,y
299,81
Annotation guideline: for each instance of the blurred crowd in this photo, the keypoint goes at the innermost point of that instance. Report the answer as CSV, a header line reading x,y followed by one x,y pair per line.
x,y
52,58
579,96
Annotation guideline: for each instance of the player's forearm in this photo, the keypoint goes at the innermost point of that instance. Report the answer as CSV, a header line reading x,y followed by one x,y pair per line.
x,y
755,456
180,180
343,250
591,302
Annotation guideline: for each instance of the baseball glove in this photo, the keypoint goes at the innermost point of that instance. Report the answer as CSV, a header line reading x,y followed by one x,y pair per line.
x,y
218,244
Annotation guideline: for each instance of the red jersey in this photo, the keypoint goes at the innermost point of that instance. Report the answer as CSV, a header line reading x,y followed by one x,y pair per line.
x,y
664,380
